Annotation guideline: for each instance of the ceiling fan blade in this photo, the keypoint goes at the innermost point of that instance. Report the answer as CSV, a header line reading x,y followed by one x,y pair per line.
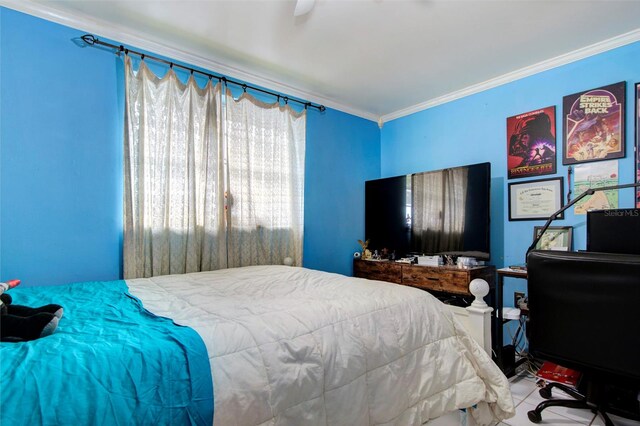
x,y
303,7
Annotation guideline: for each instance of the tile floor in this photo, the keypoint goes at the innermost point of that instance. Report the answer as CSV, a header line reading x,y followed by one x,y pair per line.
x,y
526,397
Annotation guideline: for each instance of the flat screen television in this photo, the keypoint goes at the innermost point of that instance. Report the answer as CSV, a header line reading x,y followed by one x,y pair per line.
x,y
440,212
614,231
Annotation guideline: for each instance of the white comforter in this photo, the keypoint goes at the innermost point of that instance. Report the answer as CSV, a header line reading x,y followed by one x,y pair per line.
x,y
293,346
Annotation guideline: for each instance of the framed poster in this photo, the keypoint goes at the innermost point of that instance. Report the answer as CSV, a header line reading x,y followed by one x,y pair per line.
x,y
555,238
531,143
596,175
536,199
637,153
594,125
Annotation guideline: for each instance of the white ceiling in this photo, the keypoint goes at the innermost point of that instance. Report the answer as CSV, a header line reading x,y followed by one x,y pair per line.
x,y
372,58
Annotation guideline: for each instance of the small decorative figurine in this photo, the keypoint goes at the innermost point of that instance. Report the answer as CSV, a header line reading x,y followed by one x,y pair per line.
x,y
364,246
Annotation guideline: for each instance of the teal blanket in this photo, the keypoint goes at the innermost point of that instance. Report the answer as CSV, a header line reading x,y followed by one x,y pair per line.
x,y
110,362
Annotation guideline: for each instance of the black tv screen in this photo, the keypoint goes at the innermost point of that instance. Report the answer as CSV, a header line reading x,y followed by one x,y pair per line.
x,y
614,231
437,212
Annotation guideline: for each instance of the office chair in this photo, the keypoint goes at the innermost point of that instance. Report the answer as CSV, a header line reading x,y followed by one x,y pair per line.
x,y
584,314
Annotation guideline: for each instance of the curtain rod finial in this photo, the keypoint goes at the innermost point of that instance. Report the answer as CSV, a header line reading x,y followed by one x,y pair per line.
x,y
89,39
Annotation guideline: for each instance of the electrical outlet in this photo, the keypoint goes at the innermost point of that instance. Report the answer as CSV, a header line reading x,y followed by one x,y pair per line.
x,y
517,295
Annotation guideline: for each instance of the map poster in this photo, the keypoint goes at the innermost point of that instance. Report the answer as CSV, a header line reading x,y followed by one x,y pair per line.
x,y
596,175
638,143
594,125
531,143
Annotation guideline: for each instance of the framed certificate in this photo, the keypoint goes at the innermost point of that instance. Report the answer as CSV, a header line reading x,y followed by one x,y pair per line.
x,y
536,199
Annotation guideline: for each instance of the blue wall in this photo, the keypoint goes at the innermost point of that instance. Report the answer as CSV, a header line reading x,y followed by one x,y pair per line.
x,y
61,156
61,162
342,152
473,129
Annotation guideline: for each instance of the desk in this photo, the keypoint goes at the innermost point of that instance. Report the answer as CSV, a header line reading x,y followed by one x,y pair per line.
x,y
499,323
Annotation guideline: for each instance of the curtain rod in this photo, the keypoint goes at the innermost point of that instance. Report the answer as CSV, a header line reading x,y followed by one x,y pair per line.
x,y
92,40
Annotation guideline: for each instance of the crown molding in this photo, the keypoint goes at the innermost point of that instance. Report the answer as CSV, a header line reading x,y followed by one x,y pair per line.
x,y
576,55
126,36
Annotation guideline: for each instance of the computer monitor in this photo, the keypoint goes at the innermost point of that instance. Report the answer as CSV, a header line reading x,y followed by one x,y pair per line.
x,y
614,231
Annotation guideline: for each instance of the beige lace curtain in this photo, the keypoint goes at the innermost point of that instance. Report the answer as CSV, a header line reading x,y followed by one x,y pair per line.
x,y
265,152
181,157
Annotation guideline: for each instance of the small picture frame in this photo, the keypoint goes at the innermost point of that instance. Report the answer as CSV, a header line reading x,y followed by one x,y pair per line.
x,y
536,199
558,238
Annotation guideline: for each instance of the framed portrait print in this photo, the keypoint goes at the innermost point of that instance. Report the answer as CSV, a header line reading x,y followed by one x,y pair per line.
x,y
555,238
536,199
531,143
593,124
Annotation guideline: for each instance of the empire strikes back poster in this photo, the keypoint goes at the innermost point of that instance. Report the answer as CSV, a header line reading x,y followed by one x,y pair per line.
x,y
594,125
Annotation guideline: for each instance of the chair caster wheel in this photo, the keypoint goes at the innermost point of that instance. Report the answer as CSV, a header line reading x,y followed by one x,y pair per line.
x,y
545,393
534,416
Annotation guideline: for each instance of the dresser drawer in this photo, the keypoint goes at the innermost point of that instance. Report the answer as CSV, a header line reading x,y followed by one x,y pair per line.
x,y
424,277
458,283
383,271
436,279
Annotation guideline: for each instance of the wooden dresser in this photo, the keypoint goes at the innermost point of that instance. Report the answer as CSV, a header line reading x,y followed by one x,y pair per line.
x,y
441,279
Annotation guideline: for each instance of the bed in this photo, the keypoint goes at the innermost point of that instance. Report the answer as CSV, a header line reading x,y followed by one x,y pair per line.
x,y
274,345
